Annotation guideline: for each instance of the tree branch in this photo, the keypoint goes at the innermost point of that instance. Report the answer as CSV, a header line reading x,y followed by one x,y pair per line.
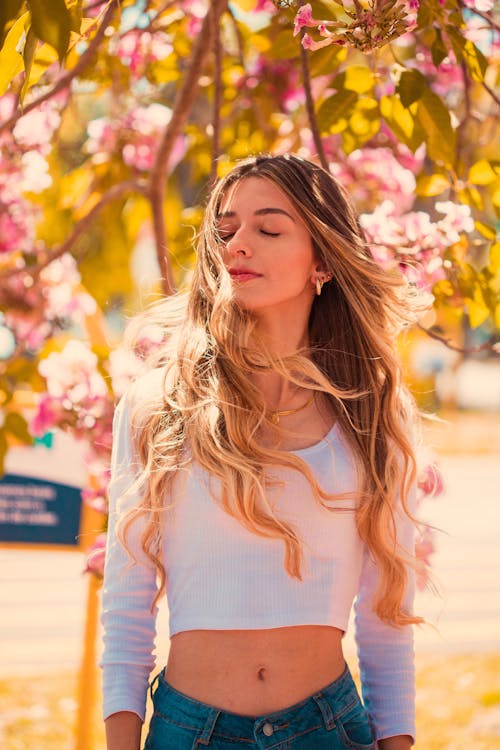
x,y
313,123
485,346
183,103
66,79
216,13
80,227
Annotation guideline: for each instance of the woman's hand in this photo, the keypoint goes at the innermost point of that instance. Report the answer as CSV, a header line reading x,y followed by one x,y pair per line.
x,y
401,742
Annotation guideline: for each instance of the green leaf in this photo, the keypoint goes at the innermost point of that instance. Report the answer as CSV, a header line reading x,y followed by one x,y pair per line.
x,y
475,61
284,47
75,14
483,172
429,185
495,257
16,425
28,55
486,230
457,41
411,86
11,62
335,110
435,119
438,49
357,78
477,309
472,197
402,121
8,12
51,23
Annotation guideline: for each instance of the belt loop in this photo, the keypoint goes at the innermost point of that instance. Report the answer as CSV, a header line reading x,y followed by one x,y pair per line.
x,y
326,711
206,735
154,681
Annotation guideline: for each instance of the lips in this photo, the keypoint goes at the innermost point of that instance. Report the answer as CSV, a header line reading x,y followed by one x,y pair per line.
x,y
243,273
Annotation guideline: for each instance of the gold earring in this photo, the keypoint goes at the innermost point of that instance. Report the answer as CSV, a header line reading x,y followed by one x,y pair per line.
x,y
319,286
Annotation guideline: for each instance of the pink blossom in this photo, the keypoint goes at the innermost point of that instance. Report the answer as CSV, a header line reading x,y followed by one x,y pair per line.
x,y
124,367
95,498
457,220
309,43
138,49
72,373
96,556
424,549
303,18
375,174
430,481
37,127
483,6
45,418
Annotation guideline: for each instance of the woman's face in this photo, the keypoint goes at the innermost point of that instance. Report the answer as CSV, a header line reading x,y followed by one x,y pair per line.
x,y
266,248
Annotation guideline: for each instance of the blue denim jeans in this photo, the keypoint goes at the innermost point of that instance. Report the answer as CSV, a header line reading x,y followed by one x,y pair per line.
x,y
332,719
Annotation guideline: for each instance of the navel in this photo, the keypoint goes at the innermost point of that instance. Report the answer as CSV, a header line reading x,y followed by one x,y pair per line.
x,y
261,673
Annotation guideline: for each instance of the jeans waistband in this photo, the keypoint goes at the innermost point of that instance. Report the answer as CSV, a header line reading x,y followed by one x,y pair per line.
x,y
320,708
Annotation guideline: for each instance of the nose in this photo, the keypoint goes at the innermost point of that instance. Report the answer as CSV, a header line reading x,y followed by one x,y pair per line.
x,y
238,245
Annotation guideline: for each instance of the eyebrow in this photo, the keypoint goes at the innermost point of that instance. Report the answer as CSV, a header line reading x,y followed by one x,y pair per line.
x,y
259,212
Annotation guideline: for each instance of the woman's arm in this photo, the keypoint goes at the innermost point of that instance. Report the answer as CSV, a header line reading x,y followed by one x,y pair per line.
x,y
128,589
123,731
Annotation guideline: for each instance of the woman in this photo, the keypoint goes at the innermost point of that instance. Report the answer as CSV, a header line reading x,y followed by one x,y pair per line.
x,y
263,476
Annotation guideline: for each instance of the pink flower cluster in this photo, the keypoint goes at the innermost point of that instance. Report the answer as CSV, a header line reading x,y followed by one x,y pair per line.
x,y
136,137
430,483
76,396
35,310
413,240
372,175
371,27
137,49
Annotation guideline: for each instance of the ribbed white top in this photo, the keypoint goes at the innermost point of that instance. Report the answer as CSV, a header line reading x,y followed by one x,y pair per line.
x,y
221,576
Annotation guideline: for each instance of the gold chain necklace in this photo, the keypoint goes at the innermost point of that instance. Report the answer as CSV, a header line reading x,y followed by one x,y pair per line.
x,y
275,415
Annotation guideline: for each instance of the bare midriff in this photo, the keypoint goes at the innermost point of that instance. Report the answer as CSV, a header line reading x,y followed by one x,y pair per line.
x,y
254,672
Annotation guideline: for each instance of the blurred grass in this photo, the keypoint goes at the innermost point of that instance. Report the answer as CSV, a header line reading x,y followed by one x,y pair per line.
x,y
458,707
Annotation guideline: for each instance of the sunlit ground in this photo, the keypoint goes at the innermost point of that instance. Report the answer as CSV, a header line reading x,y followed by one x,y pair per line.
x,y
458,707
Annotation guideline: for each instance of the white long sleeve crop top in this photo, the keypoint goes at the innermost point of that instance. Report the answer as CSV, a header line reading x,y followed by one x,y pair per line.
x,y
222,576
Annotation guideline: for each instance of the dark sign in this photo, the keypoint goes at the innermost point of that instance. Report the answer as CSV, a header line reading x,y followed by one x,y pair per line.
x,y
37,511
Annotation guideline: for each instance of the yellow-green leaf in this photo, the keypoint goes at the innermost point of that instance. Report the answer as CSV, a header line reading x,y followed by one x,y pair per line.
x,y
429,185
357,78
11,62
472,197
16,425
483,172
411,86
284,47
434,117
477,309
335,110
496,317
44,58
475,60
8,12
402,121
495,257
28,55
486,230
51,23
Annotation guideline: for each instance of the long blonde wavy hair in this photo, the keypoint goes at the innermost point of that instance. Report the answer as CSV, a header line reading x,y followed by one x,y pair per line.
x,y
209,402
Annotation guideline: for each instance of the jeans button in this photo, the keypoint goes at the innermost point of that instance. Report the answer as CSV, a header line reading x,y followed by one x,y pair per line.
x,y
268,729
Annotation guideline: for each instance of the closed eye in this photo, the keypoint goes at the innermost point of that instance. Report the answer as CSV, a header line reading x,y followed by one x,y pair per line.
x,y
270,234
